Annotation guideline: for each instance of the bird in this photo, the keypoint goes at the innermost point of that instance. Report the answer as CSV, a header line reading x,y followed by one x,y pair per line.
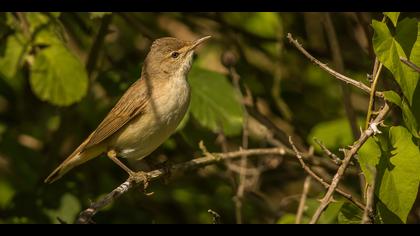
x,y
146,114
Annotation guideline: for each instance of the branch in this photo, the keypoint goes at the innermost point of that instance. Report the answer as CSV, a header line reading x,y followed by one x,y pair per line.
x,y
370,197
410,64
306,186
208,159
334,73
346,161
319,179
243,165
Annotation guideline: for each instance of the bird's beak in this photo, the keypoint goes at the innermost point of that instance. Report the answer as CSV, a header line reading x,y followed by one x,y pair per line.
x,y
198,42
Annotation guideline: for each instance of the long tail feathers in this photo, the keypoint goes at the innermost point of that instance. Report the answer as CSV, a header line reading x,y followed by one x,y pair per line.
x,y
64,167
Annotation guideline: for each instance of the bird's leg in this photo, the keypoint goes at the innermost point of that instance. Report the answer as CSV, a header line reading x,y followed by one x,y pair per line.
x,y
138,177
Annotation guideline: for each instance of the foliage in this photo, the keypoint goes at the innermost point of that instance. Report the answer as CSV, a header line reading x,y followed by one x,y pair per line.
x,y
60,73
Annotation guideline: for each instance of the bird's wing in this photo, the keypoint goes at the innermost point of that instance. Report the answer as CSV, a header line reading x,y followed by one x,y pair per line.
x,y
131,104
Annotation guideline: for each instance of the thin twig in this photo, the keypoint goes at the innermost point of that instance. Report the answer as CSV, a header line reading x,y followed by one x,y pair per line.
x,y
370,197
302,202
410,64
330,154
320,180
347,158
334,73
243,165
372,96
208,159
215,216
339,65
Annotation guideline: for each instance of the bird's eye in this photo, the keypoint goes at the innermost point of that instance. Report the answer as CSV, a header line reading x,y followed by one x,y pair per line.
x,y
175,54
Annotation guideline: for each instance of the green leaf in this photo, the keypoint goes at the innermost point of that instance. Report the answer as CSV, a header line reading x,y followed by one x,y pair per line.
x,y
94,15
214,103
390,48
266,24
287,219
350,214
369,155
393,16
10,60
69,209
57,76
333,134
6,193
411,122
398,172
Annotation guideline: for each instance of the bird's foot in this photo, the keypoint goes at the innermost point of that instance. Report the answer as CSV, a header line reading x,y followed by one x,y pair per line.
x,y
140,177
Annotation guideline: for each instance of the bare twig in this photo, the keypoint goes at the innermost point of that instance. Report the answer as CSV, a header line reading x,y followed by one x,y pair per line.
x,y
215,216
372,95
330,154
347,158
208,159
320,180
410,64
339,64
370,195
334,73
243,165
302,202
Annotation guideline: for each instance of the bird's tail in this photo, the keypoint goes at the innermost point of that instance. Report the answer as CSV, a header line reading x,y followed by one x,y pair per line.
x,y
76,158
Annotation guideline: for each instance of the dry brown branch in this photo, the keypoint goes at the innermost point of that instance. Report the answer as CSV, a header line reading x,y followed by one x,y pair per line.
x,y
85,216
346,161
322,181
302,202
334,73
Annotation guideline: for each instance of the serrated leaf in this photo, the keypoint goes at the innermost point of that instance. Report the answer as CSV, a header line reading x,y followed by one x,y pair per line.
x,y
57,76
214,103
398,177
410,121
393,16
350,214
390,48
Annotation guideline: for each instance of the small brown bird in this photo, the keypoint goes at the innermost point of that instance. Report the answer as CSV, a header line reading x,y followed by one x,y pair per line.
x,y
147,114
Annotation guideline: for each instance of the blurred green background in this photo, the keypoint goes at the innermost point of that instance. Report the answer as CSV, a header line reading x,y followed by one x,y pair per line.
x,y
60,73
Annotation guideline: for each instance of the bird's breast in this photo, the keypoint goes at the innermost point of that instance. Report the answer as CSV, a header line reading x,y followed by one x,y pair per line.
x,y
165,110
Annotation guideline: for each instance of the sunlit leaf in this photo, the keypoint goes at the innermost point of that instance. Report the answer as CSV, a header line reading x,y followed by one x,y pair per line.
x,y
389,48
58,76
393,16
411,122
398,172
9,61
214,103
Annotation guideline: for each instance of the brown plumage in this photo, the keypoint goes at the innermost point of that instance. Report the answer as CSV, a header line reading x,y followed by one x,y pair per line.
x,y
147,113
